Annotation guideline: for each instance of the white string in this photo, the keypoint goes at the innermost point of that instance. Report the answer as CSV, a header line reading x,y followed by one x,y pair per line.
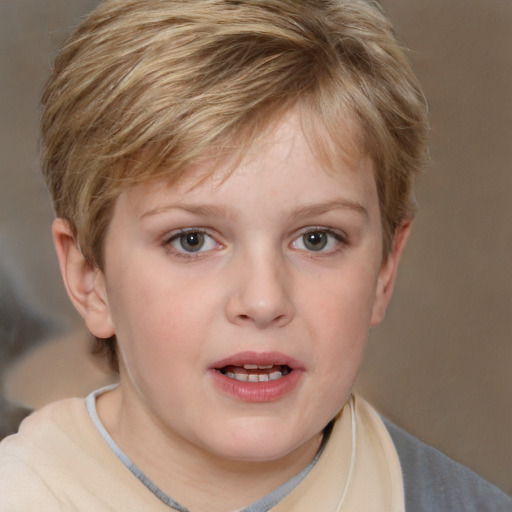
x,y
352,455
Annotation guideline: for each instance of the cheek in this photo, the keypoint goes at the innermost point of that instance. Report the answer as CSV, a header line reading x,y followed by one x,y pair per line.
x,y
339,322
341,343
153,300
159,320
342,306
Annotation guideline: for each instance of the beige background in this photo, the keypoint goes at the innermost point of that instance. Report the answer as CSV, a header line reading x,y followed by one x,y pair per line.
x,y
440,364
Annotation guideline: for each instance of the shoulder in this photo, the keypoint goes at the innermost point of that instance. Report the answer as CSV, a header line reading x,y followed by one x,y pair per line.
x,y
44,427
19,484
434,483
28,458
59,461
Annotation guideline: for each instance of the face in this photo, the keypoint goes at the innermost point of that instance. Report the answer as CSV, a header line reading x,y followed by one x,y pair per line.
x,y
242,306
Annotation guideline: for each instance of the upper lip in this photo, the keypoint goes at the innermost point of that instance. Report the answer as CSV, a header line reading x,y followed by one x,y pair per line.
x,y
258,358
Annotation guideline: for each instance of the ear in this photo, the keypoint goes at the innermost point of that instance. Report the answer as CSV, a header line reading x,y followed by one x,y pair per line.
x,y
388,272
84,283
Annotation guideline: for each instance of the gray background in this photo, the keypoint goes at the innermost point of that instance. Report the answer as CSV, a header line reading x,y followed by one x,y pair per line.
x,y
440,365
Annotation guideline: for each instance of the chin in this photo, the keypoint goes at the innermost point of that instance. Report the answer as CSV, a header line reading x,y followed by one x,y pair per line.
x,y
258,452
262,443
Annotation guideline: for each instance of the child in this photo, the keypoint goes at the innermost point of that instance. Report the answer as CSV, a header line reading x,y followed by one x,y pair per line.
x,y
232,183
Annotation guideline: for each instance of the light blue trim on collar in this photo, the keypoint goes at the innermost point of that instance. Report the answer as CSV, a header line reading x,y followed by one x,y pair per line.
x,y
90,403
263,505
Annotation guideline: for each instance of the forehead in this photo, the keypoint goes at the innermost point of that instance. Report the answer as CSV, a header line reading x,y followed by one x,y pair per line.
x,y
297,132
330,139
283,168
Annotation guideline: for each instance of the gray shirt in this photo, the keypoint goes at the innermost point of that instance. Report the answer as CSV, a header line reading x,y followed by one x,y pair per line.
x,y
434,483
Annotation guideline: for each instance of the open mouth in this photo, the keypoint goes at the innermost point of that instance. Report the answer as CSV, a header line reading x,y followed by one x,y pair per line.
x,y
255,372
257,377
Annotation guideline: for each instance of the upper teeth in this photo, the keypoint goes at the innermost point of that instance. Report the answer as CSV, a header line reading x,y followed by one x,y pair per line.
x,y
258,366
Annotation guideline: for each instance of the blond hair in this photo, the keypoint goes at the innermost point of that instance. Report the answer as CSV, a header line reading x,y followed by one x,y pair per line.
x,y
145,88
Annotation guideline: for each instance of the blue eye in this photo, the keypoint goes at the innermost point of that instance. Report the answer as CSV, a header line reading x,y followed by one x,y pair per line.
x,y
317,240
192,241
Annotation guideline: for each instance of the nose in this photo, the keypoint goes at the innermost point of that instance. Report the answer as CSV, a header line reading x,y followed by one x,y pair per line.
x,y
260,295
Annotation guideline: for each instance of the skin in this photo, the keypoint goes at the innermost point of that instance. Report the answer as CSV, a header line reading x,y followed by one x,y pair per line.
x,y
256,286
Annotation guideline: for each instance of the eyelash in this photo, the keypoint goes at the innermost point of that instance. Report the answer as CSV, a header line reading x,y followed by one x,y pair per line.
x,y
176,236
339,238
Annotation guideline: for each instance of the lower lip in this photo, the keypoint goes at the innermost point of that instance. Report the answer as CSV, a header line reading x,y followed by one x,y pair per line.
x,y
257,392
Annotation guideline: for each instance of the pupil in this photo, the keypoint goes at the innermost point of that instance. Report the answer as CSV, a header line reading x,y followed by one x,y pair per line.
x,y
315,241
192,242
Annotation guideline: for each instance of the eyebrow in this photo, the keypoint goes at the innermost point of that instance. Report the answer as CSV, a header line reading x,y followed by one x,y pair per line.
x,y
308,210
220,211
195,209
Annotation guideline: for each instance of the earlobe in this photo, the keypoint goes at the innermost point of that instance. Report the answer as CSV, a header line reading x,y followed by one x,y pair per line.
x,y
84,283
388,273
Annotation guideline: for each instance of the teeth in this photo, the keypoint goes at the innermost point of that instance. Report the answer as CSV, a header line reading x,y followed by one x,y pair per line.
x,y
256,372
254,377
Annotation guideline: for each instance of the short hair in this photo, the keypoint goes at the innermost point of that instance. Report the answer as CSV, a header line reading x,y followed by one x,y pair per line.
x,y
145,88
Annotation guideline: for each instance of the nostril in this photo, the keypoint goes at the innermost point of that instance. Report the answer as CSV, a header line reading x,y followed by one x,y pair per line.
x,y
248,318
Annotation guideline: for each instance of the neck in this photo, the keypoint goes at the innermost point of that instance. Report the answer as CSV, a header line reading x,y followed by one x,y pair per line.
x,y
192,476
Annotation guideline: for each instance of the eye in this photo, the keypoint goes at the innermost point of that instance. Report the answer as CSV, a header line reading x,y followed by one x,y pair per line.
x,y
318,240
192,241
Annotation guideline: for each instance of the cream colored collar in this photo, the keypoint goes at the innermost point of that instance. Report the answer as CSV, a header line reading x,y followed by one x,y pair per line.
x,y
358,471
